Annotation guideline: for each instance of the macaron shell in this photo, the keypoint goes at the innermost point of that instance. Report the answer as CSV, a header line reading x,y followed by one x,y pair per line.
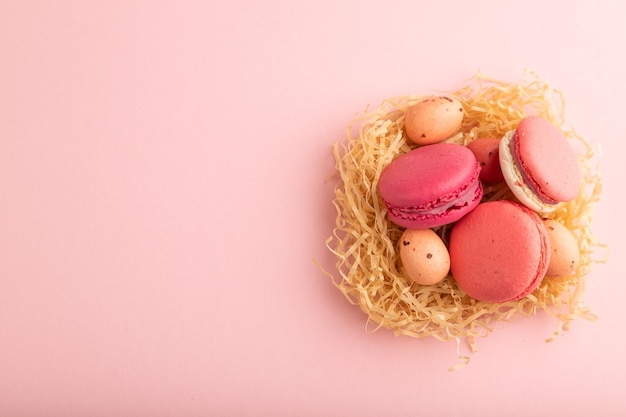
x,y
547,159
428,174
499,252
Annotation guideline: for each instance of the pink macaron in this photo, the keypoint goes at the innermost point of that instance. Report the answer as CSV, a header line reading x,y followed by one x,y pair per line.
x,y
539,165
499,252
487,151
431,186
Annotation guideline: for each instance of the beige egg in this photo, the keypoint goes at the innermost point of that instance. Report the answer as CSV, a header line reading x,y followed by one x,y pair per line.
x,y
433,119
564,252
424,256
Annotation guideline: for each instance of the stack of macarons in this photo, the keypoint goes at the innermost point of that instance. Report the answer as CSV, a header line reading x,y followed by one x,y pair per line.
x,y
496,251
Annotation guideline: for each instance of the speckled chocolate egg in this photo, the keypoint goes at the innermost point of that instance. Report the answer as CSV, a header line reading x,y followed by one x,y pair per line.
x,y
424,256
564,253
486,151
433,119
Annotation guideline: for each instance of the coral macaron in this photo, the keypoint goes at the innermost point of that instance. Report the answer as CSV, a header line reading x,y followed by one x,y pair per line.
x,y
431,186
539,165
499,252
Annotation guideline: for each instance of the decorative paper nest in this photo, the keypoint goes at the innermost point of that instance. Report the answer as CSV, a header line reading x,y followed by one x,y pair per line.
x,y
366,243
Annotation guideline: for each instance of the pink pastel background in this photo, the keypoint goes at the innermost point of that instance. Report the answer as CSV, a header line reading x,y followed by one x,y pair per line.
x,y
164,189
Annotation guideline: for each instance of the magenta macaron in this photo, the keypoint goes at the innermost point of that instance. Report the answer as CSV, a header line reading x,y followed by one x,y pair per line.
x,y
499,252
431,186
539,165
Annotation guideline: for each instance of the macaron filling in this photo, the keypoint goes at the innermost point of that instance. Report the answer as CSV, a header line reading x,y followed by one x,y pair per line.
x,y
529,181
470,193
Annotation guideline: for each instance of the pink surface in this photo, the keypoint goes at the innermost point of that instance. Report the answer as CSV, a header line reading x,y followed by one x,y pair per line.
x,y
163,190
